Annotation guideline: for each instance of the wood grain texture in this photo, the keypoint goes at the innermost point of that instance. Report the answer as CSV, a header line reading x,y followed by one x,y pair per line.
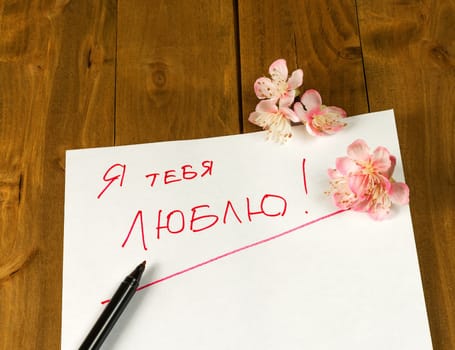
x,y
409,52
320,37
83,73
57,88
177,70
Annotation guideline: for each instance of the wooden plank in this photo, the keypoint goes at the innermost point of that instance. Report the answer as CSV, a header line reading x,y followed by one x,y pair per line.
x,y
57,88
177,71
409,59
320,37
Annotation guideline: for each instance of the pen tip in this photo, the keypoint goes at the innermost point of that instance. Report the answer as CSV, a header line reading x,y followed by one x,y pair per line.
x,y
143,263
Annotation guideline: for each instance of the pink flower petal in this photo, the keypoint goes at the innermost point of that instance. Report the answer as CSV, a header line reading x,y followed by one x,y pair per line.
x,y
358,184
379,213
337,110
289,114
296,79
384,182
287,98
311,99
279,70
342,201
312,130
313,127
265,88
362,205
300,111
381,159
333,173
346,166
358,150
325,121
253,116
399,193
267,106
390,170
334,129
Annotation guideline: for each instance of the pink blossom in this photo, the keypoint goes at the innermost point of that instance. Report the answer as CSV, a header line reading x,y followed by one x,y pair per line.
x,y
280,87
319,119
363,181
276,120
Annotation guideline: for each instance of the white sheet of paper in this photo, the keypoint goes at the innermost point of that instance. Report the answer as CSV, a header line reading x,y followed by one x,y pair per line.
x,y
342,281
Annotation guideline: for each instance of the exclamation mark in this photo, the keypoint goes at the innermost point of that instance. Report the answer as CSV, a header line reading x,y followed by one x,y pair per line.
x,y
304,175
304,179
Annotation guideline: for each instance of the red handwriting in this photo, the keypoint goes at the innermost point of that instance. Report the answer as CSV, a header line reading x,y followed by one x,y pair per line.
x,y
186,172
116,172
235,251
262,207
141,220
110,179
201,217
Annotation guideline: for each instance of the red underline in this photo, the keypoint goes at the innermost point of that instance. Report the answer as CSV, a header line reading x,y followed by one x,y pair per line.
x,y
251,245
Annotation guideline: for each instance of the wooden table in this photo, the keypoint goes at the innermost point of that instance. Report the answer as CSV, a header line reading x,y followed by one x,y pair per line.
x,y
79,74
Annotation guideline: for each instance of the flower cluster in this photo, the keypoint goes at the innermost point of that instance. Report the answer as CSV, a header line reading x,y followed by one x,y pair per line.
x,y
363,181
279,106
